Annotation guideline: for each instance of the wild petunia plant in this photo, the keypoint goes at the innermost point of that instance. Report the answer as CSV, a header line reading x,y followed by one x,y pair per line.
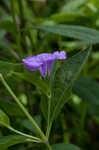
x,y
61,79
43,106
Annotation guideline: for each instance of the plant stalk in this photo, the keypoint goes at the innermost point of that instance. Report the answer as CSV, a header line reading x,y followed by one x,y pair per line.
x,y
49,123
34,139
83,115
48,145
23,108
16,33
22,24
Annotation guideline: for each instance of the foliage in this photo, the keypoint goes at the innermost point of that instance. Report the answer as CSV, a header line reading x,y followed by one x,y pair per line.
x,y
61,111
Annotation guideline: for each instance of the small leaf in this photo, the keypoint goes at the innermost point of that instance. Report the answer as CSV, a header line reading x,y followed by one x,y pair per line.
x,y
11,140
62,81
65,147
4,120
28,125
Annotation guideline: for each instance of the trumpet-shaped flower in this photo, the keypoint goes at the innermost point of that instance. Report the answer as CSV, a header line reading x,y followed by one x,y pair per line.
x,y
43,62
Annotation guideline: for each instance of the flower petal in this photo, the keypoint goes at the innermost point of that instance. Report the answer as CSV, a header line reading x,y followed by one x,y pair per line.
x,y
61,55
31,63
49,66
43,70
45,57
43,61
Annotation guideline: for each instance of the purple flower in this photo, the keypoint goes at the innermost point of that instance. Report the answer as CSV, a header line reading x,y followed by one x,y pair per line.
x,y
43,62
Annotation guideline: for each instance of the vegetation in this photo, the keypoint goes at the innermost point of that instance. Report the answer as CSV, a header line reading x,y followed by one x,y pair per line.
x,y
60,111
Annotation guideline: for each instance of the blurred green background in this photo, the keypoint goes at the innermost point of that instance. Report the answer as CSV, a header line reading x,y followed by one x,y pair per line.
x,y
78,122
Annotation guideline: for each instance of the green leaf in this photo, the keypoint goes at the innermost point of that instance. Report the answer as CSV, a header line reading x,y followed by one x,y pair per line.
x,y
73,5
62,81
11,108
28,125
7,67
44,98
4,120
87,89
7,25
33,79
93,110
68,17
90,36
65,147
2,34
4,45
11,140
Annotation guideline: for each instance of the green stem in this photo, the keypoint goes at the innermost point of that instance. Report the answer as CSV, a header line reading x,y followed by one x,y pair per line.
x,y
35,139
21,9
66,138
13,13
23,24
16,33
83,115
49,147
48,124
48,130
23,108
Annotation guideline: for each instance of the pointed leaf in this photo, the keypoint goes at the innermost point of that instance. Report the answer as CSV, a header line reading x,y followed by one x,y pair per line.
x,y
4,120
62,81
91,36
28,125
11,140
